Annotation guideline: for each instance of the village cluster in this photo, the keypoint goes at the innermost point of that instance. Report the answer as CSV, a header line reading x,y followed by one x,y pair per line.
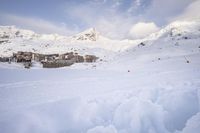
x,y
48,60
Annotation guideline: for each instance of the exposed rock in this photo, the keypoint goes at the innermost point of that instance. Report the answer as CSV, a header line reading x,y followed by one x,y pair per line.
x,y
141,44
5,36
3,41
17,33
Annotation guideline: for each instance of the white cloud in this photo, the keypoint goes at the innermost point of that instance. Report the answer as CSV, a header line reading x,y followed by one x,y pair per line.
x,y
107,21
141,30
36,24
161,11
109,18
100,1
117,3
115,24
116,27
190,13
138,2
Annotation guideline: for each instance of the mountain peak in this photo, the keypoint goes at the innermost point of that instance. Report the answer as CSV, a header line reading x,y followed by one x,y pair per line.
x,y
89,34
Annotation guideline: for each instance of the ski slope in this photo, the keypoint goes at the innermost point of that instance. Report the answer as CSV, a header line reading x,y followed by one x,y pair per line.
x,y
153,88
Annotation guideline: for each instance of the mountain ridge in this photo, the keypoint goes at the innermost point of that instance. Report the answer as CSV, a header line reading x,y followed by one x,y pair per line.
x,y
13,39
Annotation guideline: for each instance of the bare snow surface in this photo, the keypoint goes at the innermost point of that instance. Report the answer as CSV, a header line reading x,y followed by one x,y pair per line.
x,y
136,89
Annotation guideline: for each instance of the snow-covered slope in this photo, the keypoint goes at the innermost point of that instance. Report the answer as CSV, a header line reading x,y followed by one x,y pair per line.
x,y
179,39
150,88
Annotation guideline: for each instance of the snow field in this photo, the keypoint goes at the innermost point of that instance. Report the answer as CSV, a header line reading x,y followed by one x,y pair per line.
x,y
147,89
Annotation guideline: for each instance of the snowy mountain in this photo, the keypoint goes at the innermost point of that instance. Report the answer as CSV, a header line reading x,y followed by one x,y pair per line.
x,y
90,34
179,40
150,85
90,41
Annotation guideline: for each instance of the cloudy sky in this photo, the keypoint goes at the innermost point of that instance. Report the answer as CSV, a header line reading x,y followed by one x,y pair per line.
x,y
116,19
